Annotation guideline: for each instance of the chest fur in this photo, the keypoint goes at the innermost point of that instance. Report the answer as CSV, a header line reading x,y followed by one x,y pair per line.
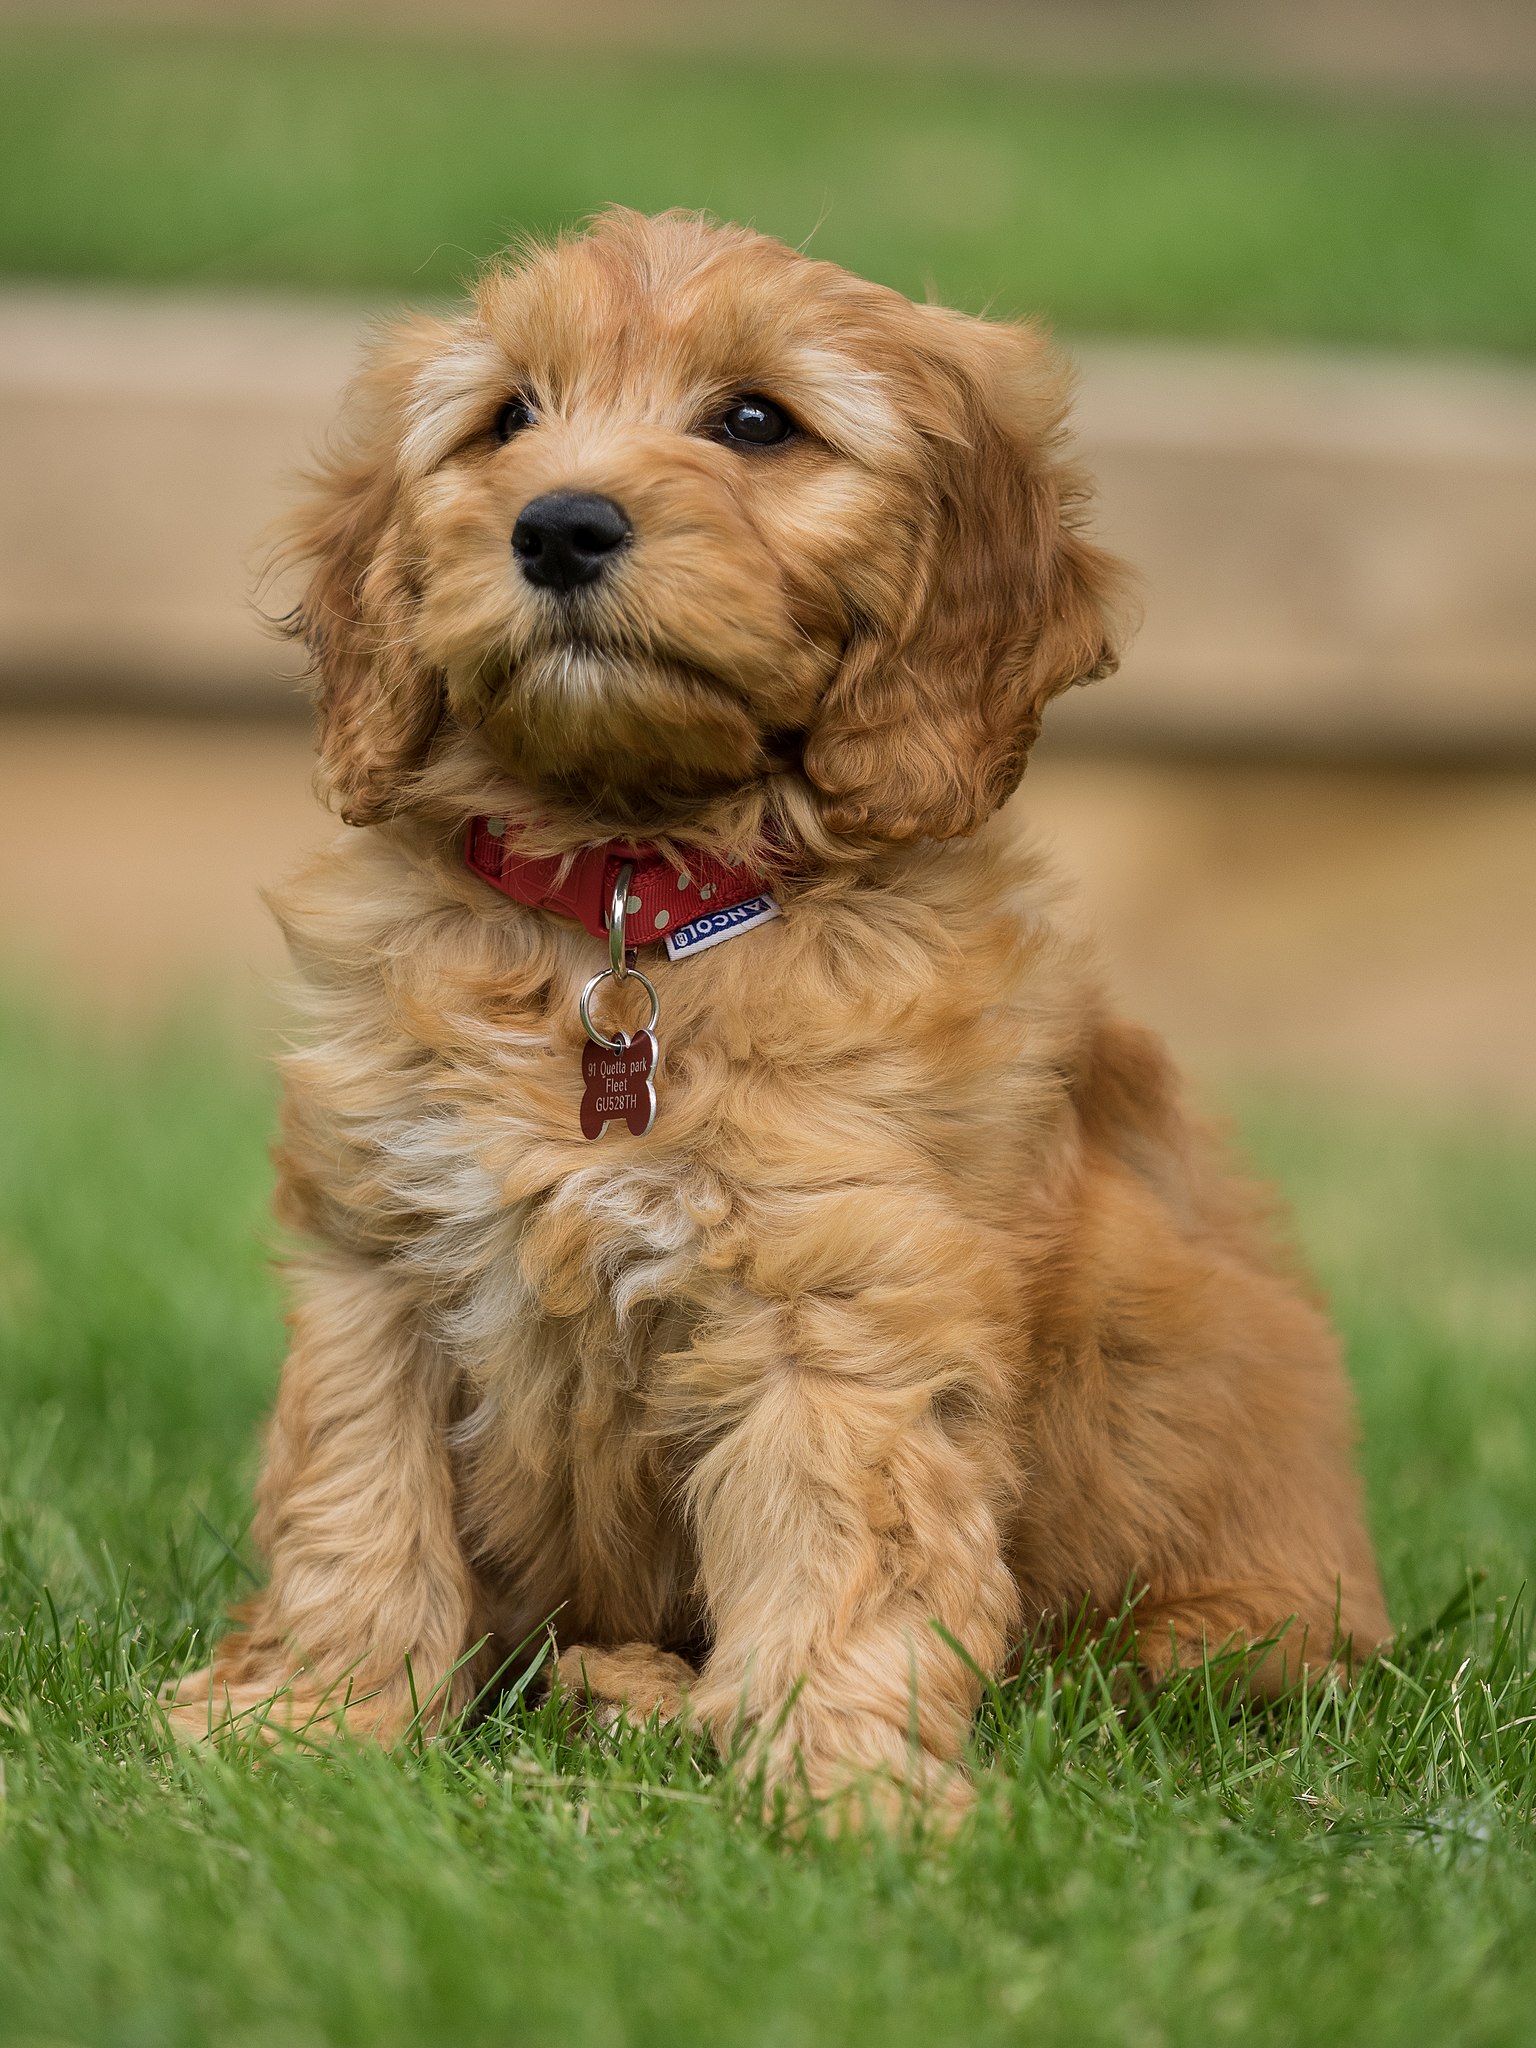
x,y
840,1067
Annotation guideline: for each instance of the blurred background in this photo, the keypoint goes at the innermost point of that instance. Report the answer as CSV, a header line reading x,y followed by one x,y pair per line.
x,y
1294,251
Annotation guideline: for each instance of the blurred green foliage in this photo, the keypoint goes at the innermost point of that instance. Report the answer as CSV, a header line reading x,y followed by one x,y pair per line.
x,y
1137,207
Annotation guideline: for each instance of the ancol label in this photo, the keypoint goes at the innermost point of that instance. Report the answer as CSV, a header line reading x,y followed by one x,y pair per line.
x,y
719,926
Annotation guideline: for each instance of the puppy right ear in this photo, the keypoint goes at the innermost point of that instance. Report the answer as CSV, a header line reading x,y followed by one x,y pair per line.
x,y
378,703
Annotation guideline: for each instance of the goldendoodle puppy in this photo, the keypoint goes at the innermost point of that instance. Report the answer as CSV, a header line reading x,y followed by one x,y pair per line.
x,y
682,614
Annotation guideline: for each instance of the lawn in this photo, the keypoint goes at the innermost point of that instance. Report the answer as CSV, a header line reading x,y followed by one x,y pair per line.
x,y
1144,207
1356,1869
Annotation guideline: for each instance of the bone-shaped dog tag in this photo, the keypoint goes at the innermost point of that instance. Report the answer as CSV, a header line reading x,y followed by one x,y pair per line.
x,y
619,1086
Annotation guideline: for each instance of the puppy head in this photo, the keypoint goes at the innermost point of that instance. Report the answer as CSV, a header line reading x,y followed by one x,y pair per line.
x,y
673,511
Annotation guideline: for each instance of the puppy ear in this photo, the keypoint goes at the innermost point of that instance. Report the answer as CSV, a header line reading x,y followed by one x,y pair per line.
x,y
378,704
925,728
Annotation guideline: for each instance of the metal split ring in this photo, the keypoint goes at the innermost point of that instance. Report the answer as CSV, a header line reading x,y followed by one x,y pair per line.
x,y
618,905
617,974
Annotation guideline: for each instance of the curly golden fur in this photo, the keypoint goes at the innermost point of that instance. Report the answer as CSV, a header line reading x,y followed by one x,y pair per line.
x,y
923,1303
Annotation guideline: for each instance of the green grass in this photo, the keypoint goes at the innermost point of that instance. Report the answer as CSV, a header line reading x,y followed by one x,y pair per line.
x,y
1355,1870
1141,207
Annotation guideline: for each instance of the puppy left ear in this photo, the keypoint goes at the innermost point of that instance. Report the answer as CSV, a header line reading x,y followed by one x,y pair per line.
x,y
925,729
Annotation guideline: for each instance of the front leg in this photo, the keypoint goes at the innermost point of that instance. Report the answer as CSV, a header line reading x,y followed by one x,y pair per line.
x,y
368,1605
852,1503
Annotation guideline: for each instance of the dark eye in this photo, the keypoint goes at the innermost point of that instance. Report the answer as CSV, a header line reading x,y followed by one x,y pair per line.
x,y
516,414
757,421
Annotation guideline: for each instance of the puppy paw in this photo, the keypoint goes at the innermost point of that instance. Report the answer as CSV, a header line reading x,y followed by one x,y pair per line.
x,y
635,1679
929,1796
1243,1658
872,1780
211,1703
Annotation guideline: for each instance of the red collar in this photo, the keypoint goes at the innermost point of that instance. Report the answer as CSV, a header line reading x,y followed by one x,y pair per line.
x,y
579,885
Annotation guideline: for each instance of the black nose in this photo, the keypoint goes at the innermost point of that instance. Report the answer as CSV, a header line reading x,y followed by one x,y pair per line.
x,y
568,537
